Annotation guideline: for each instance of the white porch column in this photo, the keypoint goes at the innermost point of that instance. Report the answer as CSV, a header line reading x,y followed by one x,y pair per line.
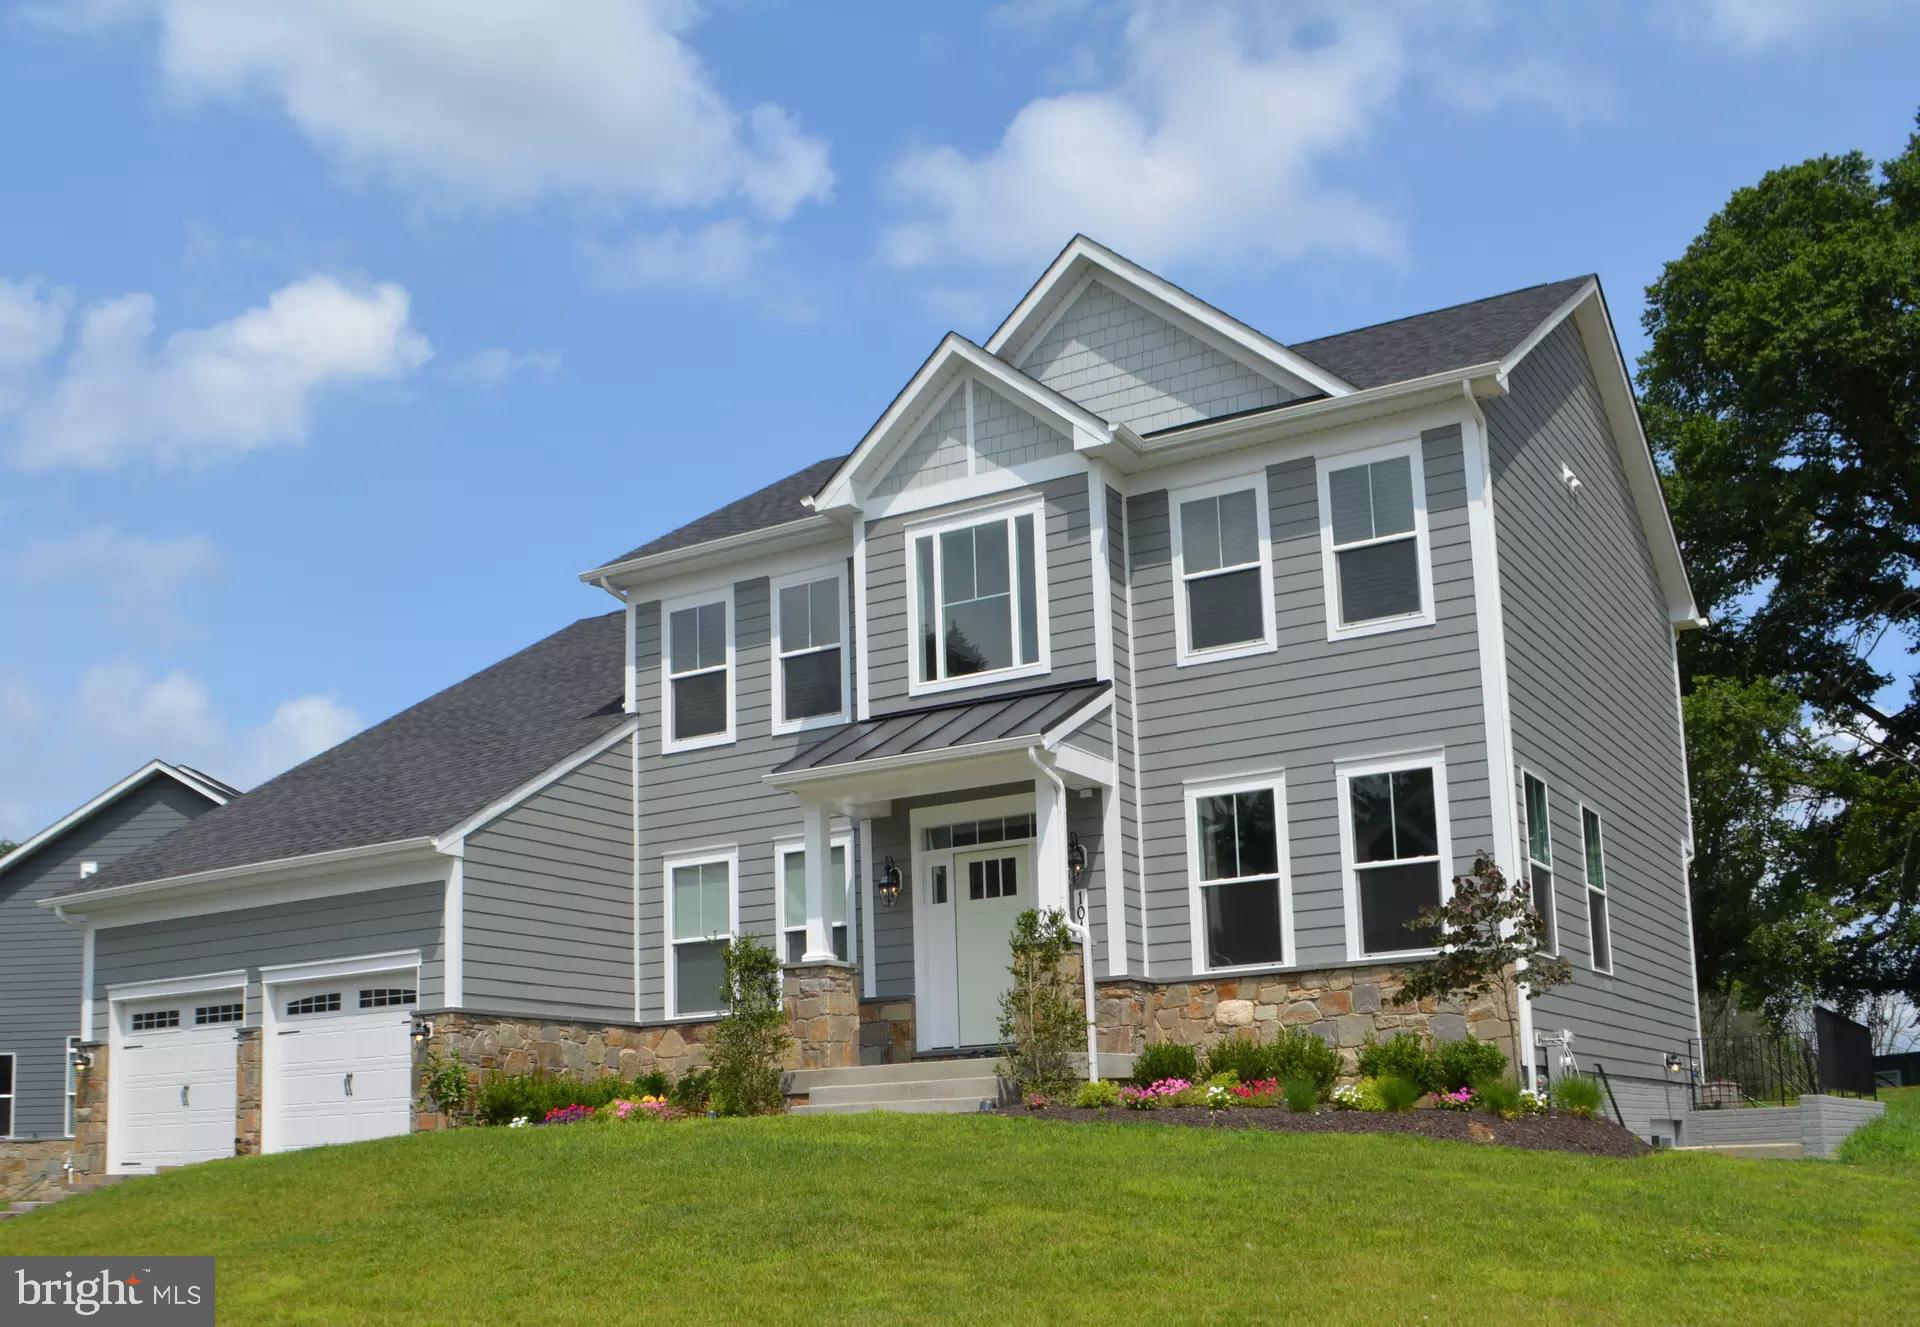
x,y
819,933
1050,840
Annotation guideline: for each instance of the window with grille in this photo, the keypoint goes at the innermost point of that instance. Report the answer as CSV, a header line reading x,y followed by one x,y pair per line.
x,y
314,1004
1373,526
156,1020
383,997
219,1013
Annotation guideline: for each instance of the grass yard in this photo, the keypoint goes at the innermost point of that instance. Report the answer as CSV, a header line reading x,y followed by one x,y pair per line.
x,y
1890,1143
886,1219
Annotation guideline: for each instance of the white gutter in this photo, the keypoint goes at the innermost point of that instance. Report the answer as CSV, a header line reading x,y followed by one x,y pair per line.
x,y
710,551
1079,931
236,876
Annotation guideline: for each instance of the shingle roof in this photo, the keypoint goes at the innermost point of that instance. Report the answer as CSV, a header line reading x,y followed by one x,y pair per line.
x,y
776,504
946,726
418,773
1450,338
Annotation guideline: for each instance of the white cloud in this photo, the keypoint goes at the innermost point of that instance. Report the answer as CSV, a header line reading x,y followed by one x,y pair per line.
x,y
495,104
496,366
1757,27
142,576
718,257
33,321
1222,136
206,393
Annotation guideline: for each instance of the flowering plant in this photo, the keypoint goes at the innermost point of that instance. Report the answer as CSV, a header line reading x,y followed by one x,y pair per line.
x,y
569,1114
1034,1100
1461,1098
644,1108
1219,1097
1260,1092
1155,1094
1532,1103
1346,1097
517,1122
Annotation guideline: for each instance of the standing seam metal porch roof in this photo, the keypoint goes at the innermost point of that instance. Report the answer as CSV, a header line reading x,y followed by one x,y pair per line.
x,y
951,726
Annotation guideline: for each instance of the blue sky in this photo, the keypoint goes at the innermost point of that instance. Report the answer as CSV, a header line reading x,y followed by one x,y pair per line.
x,y
335,340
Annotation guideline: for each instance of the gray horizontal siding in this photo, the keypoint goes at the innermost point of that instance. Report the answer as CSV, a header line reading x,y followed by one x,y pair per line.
x,y
1304,706
1069,598
1590,675
40,954
1124,718
549,898
372,921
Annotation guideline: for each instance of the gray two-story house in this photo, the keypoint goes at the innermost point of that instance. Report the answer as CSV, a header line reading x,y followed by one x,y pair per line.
x,y
1257,644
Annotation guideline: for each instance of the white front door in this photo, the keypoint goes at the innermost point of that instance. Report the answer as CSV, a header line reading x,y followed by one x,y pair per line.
x,y
172,1095
990,888
341,1060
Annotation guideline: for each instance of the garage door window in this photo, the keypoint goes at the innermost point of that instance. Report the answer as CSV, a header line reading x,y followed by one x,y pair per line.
x,y
314,1004
386,997
6,1095
156,1020
209,1014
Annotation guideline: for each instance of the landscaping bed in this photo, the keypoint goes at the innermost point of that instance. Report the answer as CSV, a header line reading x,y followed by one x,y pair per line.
x,y
1544,1133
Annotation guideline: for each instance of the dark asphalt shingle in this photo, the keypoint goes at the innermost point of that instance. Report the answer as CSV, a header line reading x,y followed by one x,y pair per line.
x,y
946,726
776,504
421,772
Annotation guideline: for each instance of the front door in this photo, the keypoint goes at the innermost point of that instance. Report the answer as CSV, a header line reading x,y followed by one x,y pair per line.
x,y
990,887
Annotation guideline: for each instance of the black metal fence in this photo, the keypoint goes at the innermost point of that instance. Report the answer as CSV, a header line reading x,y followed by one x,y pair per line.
x,y
1770,1070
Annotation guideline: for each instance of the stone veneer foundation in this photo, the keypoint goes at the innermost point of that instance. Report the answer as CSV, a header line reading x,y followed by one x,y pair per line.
x,y
38,1169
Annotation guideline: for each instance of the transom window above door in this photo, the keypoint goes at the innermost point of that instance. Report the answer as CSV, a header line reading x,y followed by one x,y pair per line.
x,y
1394,836
810,687
979,599
1373,530
1223,570
697,708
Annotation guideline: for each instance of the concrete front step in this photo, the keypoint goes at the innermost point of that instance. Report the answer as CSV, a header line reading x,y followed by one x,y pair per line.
x,y
808,1080
1752,1151
904,1090
917,1106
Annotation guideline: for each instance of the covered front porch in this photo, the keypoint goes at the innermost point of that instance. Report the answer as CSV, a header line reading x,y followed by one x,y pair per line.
x,y
966,814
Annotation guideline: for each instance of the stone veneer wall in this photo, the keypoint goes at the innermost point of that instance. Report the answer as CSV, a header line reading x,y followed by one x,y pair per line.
x,y
823,1011
886,1031
246,1104
33,1170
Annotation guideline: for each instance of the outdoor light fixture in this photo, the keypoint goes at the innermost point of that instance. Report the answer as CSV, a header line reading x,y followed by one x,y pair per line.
x,y
887,882
82,1059
1674,1063
1076,859
422,1031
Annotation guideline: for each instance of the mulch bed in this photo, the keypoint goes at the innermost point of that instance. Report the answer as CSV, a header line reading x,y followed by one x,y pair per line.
x,y
1544,1133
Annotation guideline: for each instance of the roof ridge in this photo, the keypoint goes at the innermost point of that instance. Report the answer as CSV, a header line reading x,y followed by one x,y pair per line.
x,y
1444,308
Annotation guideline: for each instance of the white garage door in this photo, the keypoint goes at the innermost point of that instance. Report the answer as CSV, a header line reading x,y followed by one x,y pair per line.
x,y
173,1072
341,1060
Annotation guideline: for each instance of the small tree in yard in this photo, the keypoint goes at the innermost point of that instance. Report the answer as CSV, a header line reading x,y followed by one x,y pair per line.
x,y
1041,1023
1490,940
747,1046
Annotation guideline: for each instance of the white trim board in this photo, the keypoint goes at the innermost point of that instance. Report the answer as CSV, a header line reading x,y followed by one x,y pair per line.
x,y
452,839
163,987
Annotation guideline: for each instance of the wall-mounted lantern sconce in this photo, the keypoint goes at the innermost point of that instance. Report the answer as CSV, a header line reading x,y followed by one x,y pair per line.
x,y
1076,859
1675,1064
1076,875
887,882
422,1031
82,1059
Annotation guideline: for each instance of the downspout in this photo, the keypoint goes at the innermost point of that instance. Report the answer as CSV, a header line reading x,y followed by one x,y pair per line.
x,y
1078,930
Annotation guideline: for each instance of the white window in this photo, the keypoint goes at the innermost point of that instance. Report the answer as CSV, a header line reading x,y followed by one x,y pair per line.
x,y
1540,856
1601,948
1239,895
978,609
810,681
1393,839
1373,541
73,1087
1223,568
792,861
6,1094
703,910
697,660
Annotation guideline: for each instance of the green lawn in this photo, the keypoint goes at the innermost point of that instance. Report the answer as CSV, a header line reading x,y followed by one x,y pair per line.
x,y
1894,1142
888,1219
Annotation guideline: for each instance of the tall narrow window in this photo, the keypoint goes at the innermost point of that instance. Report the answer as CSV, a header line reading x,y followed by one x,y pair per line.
x,y
699,708
6,1094
1394,821
1373,528
1220,538
1540,857
1597,926
1236,855
793,900
700,923
73,1087
811,685
977,599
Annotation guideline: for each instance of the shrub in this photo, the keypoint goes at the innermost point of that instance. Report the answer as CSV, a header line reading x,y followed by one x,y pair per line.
x,y
748,1045
1577,1095
1404,1055
1297,1053
1243,1057
1163,1060
1499,1096
1303,1095
446,1086
1363,1095
1042,1025
1463,1063
692,1091
504,1098
1399,1093
1100,1095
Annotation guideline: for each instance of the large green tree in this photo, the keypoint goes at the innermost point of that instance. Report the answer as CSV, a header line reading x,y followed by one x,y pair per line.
x,y
1781,390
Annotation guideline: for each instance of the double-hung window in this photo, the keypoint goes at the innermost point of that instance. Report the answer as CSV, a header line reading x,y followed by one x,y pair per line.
x,y
810,683
697,707
73,1087
1223,571
1373,541
702,916
1540,856
1237,865
1393,829
1601,946
979,598
793,898
6,1094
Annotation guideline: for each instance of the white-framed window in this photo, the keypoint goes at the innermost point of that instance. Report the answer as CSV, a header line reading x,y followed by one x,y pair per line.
x,y
1539,830
1373,541
696,666
977,601
809,650
1599,930
790,859
6,1094
703,914
73,1085
1239,891
1394,849
1222,569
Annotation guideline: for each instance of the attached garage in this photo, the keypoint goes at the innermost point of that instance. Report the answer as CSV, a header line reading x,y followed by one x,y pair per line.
x,y
337,1050
173,1093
